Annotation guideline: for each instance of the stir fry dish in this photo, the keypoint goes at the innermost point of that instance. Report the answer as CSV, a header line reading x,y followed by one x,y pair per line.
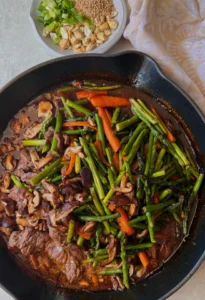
x,y
97,185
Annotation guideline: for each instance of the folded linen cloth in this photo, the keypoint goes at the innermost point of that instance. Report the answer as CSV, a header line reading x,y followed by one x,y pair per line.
x,y
173,33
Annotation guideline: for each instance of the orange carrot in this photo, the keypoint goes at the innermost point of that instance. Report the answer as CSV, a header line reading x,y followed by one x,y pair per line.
x,y
111,207
78,123
76,84
108,115
170,136
109,101
123,221
100,152
113,140
143,258
71,164
86,236
156,198
115,160
89,94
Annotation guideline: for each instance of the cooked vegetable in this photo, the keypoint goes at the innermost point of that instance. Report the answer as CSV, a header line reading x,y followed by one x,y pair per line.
x,y
94,195
109,101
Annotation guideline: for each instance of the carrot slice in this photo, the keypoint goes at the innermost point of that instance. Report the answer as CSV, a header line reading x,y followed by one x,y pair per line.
x,y
76,84
71,164
86,236
123,221
111,207
89,94
115,160
100,152
108,115
109,101
156,198
143,258
79,123
113,140
170,136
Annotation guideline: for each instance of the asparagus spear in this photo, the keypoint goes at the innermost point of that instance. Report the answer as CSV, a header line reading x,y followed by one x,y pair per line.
x,y
102,88
157,207
40,176
16,181
115,115
111,191
93,168
159,159
78,107
99,218
135,134
34,143
100,131
139,246
110,272
124,264
59,119
71,229
127,123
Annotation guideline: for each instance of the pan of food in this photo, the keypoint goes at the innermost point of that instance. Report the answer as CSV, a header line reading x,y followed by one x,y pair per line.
x,y
101,181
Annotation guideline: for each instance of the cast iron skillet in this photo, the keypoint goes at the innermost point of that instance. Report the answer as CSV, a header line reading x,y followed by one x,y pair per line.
x,y
132,68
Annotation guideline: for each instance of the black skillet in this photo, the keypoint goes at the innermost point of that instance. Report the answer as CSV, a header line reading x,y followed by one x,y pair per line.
x,y
133,68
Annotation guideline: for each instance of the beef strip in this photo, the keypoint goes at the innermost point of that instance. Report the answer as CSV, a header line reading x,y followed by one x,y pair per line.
x,y
28,241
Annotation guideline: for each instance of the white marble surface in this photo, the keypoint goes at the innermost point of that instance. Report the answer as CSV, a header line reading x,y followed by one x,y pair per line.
x,y
19,50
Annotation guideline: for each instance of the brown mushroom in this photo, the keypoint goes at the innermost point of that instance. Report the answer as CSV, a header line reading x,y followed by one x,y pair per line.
x,y
66,209
120,200
50,187
24,119
32,221
44,109
86,177
8,222
7,180
133,208
124,181
129,188
16,126
52,218
44,161
142,234
34,157
119,280
21,222
140,272
36,200
88,227
9,162
131,270
6,231
1,206
9,207
76,149
32,131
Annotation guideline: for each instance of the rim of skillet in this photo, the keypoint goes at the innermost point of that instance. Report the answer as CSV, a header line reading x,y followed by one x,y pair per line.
x,y
164,76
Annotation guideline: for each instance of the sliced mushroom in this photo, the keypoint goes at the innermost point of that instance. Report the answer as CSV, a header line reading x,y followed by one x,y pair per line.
x,y
119,280
88,227
21,222
32,131
44,161
1,206
32,221
142,234
120,200
124,181
7,180
9,207
16,126
80,196
111,249
133,208
124,190
6,231
9,162
76,150
44,109
131,270
66,209
50,187
36,200
91,121
140,272
34,157
52,218
24,119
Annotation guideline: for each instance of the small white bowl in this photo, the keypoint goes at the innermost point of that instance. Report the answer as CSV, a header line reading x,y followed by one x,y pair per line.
x,y
121,8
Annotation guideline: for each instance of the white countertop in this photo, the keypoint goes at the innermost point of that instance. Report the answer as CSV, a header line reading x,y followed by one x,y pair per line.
x,y
19,50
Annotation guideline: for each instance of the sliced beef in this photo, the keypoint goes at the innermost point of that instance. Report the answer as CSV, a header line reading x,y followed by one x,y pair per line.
x,y
24,176
69,259
21,196
25,162
28,241
58,234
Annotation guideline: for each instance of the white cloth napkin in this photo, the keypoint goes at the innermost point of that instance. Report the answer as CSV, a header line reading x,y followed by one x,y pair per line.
x,y
173,33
